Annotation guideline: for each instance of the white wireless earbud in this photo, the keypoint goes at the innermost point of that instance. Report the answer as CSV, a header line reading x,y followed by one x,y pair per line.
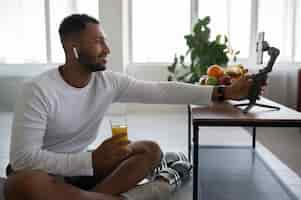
x,y
75,52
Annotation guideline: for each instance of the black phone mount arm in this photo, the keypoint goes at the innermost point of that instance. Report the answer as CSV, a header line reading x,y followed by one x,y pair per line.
x,y
259,79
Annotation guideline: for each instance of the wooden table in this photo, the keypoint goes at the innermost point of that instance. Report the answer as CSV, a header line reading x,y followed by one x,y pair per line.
x,y
226,114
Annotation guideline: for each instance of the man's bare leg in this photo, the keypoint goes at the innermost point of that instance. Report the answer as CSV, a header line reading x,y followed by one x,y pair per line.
x,y
146,156
36,185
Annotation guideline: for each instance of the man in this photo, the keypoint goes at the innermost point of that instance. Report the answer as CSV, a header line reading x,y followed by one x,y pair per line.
x,y
58,113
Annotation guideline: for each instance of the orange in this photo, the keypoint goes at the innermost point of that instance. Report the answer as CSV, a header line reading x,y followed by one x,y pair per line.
x,y
216,71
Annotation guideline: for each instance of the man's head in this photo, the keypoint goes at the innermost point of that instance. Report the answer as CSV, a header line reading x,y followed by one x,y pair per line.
x,y
84,41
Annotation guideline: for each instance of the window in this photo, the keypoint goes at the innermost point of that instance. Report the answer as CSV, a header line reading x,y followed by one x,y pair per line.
x,y
23,28
218,12
22,31
239,26
91,8
158,29
298,32
279,19
60,9
231,18
167,25
272,20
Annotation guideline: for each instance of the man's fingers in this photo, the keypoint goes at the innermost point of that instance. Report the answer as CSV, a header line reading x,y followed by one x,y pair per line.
x,y
123,143
116,137
120,135
248,77
123,150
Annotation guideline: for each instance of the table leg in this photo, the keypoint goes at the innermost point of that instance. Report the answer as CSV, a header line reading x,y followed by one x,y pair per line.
x,y
195,162
189,133
254,138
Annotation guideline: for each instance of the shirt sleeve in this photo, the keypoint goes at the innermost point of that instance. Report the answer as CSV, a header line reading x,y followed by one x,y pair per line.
x,y
28,131
160,92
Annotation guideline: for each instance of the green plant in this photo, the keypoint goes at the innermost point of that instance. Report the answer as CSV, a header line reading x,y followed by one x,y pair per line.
x,y
202,53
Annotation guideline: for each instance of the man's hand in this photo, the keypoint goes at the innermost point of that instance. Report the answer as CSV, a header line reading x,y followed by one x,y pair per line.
x,y
99,196
110,153
240,89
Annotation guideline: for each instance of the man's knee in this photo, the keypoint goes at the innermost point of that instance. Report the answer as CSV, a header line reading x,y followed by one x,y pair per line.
x,y
152,152
155,151
23,184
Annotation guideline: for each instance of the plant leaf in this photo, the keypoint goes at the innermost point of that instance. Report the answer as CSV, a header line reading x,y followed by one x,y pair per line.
x,y
202,53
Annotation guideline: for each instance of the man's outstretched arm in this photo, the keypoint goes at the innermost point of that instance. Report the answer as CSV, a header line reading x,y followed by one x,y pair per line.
x,y
163,92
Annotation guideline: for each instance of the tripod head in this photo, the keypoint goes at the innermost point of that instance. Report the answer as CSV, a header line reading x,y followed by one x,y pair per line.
x,y
260,78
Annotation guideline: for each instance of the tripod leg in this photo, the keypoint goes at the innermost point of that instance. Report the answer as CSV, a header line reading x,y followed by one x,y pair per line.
x,y
248,108
242,104
267,106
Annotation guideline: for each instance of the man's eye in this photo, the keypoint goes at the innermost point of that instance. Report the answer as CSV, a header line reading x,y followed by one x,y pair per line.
x,y
100,41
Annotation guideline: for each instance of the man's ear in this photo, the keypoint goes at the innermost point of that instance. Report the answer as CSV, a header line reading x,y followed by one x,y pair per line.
x,y
74,44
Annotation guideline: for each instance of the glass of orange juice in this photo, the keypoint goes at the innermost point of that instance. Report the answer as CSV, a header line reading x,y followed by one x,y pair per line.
x,y
119,126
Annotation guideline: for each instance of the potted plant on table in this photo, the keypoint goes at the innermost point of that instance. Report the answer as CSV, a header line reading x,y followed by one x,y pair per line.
x,y
208,59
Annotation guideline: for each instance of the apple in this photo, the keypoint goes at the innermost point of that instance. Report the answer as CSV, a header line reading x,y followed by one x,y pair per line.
x,y
211,80
225,80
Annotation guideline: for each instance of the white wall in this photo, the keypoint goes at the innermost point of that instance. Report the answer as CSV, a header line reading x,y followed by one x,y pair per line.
x,y
11,76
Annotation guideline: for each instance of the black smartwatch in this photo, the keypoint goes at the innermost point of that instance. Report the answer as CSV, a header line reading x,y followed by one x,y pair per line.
x,y
221,93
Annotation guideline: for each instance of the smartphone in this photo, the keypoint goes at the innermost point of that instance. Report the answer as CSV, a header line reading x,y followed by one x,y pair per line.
x,y
259,48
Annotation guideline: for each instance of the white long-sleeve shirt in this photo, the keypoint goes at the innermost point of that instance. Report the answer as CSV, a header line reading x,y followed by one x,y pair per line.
x,y
55,122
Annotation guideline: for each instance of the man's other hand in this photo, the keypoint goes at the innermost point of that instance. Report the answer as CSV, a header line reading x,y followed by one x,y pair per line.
x,y
110,153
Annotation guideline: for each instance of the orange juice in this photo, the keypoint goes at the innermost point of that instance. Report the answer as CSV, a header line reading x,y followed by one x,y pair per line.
x,y
120,129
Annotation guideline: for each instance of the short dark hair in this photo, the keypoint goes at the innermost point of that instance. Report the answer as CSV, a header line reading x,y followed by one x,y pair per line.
x,y
74,24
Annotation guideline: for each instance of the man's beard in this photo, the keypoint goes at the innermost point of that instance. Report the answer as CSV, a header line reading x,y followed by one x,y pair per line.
x,y
95,67
91,67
